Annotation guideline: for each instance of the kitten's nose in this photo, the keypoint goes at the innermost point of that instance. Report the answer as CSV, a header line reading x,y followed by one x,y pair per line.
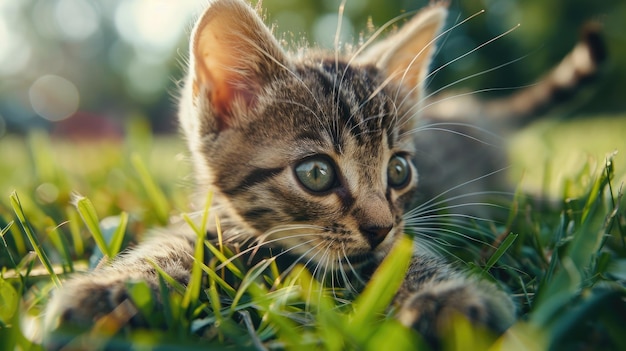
x,y
375,234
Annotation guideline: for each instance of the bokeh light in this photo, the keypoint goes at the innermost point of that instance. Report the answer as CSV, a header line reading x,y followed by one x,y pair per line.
x,y
54,98
153,25
15,51
77,19
325,31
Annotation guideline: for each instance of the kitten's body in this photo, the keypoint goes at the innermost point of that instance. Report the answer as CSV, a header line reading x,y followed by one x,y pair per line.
x,y
266,129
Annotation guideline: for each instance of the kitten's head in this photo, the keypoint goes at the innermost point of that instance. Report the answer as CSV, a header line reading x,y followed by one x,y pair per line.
x,y
309,153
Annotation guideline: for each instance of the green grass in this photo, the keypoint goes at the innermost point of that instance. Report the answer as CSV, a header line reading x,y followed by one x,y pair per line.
x,y
564,262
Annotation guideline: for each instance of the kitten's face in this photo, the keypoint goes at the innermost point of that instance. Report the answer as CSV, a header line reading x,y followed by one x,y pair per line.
x,y
312,154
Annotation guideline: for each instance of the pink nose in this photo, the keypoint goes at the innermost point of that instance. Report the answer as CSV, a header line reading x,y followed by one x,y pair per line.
x,y
375,234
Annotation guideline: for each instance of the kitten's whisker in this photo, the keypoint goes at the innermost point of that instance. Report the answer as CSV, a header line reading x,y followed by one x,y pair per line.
x,y
455,124
332,276
394,75
430,246
344,277
451,131
314,273
433,239
435,71
297,260
444,41
433,93
477,234
319,264
444,231
442,194
390,78
427,46
421,107
446,221
254,249
354,271
365,120
451,227
361,48
434,208
314,249
474,92
324,261
408,97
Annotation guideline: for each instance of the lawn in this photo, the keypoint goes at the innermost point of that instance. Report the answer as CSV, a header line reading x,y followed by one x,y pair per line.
x,y
63,203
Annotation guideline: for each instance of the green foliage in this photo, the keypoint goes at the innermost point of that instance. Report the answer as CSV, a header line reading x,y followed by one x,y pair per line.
x,y
565,264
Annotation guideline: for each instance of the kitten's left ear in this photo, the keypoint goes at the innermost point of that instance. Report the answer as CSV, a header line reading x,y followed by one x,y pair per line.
x,y
405,55
233,55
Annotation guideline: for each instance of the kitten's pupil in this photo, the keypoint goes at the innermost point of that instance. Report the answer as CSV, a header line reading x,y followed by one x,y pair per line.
x,y
316,174
398,171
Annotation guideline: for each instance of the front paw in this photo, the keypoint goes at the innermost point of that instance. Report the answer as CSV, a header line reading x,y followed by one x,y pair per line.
x,y
101,307
432,310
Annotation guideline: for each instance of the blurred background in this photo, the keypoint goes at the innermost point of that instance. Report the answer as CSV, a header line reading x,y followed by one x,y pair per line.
x,y
82,68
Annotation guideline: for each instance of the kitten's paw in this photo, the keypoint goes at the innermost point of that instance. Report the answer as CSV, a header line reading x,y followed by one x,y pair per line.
x,y
85,304
431,310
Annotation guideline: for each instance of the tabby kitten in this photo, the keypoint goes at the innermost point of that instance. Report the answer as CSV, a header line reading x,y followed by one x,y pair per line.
x,y
312,157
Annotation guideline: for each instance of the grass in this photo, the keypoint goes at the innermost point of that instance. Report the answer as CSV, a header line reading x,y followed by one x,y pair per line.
x,y
65,204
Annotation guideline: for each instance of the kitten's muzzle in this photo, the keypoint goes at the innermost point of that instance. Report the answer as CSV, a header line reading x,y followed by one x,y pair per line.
x,y
375,234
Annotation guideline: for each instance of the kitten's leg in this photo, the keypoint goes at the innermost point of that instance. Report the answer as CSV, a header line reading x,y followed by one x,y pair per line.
x,y
85,299
433,293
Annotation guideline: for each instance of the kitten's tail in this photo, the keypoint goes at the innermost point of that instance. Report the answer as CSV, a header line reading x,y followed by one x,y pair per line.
x,y
561,84
576,70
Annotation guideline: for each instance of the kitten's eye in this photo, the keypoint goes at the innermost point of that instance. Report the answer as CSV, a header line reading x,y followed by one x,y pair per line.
x,y
398,171
316,174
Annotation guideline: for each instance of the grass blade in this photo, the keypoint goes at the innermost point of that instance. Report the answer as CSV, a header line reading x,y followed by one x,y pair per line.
x,y
573,265
74,227
155,194
4,243
87,212
502,249
118,236
59,243
383,286
214,277
19,212
192,293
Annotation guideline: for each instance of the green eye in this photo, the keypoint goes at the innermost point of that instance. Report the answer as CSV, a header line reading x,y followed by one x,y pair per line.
x,y
316,174
398,171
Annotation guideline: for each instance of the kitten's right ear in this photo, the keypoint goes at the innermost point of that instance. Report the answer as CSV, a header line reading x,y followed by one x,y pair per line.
x,y
233,55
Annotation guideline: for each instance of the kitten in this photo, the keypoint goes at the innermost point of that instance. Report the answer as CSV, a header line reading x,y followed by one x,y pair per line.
x,y
319,158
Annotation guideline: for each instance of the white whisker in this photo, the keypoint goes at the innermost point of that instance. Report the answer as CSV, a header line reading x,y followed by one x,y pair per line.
x,y
435,71
427,46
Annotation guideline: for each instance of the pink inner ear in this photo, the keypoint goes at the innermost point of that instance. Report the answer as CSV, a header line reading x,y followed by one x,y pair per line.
x,y
223,99
221,70
234,56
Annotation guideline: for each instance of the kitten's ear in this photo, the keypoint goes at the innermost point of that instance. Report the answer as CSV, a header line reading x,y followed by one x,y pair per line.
x,y
405,55
233,55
